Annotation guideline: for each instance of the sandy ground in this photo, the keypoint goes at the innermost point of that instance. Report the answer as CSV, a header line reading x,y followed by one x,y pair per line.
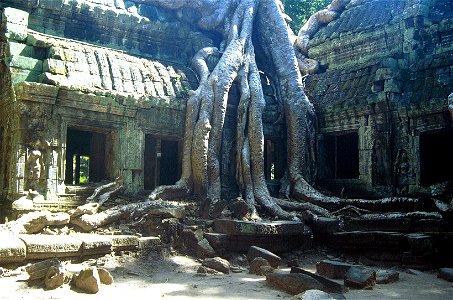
x,y
174,277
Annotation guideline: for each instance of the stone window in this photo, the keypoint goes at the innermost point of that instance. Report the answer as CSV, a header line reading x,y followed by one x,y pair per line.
x,y
436,156
86,157
162,162
339,156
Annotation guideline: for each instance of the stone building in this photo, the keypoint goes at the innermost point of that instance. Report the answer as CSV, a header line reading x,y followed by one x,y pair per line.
x,y
386,71
90,90
95,89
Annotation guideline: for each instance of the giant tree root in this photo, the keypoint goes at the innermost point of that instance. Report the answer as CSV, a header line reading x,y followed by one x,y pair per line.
x,y
131,212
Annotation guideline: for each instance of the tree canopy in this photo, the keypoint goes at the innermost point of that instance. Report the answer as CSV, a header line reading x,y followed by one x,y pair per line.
x,y
301,10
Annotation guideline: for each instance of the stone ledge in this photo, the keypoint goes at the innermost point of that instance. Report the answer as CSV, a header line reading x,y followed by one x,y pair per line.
x,y
15,249
12,249
50,246
93,244
237,227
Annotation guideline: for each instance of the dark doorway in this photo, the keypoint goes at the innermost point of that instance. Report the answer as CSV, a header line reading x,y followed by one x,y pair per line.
x,y
85,156
339,156
436,157
274,159
162,163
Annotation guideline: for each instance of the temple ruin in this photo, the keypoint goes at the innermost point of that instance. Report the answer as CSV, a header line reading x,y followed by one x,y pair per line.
x,y
93,91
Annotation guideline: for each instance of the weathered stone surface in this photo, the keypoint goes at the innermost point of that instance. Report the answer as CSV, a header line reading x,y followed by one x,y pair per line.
x,y
218,264
34,222
446,273
149,243
242,243
16,22
205,249
12,249
55,277
333,269
124,242
360,278
89,208
254,252
294,283
205,271
48,246
323,225
105,277
387,276
328,285
93,244
238,227
173,212
39,270
88,280
260,266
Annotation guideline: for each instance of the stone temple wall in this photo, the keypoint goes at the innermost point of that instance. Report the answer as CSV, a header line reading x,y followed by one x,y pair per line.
x,y
386,73
99,68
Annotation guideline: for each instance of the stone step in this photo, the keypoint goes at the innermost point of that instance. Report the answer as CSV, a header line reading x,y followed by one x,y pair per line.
x,y
410,249
24,247
397,224
239,236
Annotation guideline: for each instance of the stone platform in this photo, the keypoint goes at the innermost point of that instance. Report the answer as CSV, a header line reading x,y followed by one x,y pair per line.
x,y
278,236
26,247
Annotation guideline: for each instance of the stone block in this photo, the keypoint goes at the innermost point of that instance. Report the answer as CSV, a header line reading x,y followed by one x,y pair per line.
x,y
293,283
384,277
54,66
360,278
15,49
149,243
40,269
172,212
242,243
446,273
49,246
26,63
88,280
218,264
124,242
254,252
12,249
238,227
333,269
93,244
328,285
16,32
15,16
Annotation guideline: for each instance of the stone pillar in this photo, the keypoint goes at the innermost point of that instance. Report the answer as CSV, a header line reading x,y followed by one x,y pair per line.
x,y
132,147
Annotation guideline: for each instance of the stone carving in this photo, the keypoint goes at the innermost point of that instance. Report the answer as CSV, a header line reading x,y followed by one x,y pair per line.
x,y
34,170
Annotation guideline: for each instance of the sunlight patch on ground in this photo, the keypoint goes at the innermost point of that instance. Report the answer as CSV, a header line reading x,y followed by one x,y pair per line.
x,y
253,279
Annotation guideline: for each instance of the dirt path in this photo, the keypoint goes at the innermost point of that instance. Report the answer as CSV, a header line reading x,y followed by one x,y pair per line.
x,y
175,278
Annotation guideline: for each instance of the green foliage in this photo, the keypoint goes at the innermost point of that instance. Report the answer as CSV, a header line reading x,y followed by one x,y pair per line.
x,y
301,10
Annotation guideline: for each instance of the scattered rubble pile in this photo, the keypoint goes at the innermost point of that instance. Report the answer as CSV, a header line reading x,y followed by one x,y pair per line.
x,y
53,274
52,238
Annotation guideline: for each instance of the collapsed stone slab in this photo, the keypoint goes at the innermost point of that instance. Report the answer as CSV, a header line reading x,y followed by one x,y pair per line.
x,y
333,269
293,283
254,252
328,285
